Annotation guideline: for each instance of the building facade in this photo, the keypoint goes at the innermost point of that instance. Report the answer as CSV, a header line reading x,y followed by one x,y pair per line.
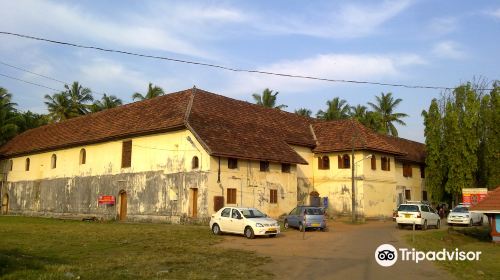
x,y
185,155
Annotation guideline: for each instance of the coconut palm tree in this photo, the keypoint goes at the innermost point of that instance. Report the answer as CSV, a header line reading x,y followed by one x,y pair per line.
x,y
153,91
385,106
337,109
79,97
8,127
59,106
106,102
303,112
267,99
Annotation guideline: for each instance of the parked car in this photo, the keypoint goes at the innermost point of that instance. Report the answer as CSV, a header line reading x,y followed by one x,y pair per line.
x,y
242,220
460,215
314,218
419,214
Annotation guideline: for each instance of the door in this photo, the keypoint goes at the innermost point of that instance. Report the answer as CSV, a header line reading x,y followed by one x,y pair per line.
x,y
5,204
293,218
123,206
194,203
236,222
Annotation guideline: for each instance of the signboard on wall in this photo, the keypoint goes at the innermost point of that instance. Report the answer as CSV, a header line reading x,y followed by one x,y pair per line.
x,y
106,200
473,195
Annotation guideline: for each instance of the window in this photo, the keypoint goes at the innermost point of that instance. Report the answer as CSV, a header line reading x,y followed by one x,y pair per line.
x,y
407,194
194,162
344,161
53,161
324,163
385,163
422,171
231,196
264,166
126,153
374,162
235,214
226,212
285,167
83,156
425,208
407,170
27,165
232,163
424,195
273,196
11,165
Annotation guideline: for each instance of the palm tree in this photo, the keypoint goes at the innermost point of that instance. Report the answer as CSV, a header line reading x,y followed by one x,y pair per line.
x,y
385,106
337,109
8,127
303,112
153,91
267,99
106,102
59,106
79,97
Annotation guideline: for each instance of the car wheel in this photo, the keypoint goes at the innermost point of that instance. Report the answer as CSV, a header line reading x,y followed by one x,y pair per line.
x,y
286,225
424,226
470,222
249,233
216,229
301,227
438,224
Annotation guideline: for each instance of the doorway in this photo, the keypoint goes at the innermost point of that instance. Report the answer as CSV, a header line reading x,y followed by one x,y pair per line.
x,y
123,206
5,204
194,203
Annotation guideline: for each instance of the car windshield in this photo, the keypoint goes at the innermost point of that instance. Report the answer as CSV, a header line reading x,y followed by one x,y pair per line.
x,y
460,210
314,211
252,213
408,208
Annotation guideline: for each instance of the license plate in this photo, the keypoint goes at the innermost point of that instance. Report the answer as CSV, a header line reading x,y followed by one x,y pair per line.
x,y
316,225
272,229
407,215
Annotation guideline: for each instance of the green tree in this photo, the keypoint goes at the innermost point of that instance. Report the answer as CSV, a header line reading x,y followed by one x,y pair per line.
x,y
106,102
59,107
80,97
267,99
434,163
153,91
8,127
303,112
337,109
385,106
28,120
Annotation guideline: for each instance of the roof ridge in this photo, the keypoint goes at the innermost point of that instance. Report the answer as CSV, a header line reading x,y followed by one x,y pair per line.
x,y
189,106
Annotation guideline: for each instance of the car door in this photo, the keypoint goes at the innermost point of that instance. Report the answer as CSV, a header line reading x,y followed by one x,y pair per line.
x,y
292,218
224,219
237,222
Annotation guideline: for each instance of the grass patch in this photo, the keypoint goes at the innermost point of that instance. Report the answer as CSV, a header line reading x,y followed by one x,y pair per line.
x,y
465,239
39,248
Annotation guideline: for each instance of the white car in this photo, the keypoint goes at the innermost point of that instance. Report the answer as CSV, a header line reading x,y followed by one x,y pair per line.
x,y
420,214
242,220
460,215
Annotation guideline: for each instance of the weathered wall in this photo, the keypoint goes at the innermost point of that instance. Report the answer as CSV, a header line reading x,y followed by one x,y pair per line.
x,y
253,186
150,195
414,183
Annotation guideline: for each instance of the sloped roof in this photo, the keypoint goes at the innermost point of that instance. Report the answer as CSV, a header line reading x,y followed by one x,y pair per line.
x,y
414,151
224,126
339,136
490,204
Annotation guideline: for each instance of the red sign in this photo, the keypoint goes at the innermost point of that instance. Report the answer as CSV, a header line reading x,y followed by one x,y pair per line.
x,y
106,199
473,195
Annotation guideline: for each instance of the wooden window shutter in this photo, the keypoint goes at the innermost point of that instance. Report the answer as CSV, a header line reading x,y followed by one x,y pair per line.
x,y
389,164
320,162
340,162
126,154
374,162
218,203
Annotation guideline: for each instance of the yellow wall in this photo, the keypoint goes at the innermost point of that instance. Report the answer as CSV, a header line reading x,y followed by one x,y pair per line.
x,y
171,152
415,183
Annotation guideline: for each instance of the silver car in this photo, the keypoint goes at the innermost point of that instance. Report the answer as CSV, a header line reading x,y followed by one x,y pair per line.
x,y
304,217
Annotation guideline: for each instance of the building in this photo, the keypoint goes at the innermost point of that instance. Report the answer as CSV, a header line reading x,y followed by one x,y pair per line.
x,y
186,154
490,206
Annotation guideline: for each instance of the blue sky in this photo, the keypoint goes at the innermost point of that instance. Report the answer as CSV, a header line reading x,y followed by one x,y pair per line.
x,y
441,43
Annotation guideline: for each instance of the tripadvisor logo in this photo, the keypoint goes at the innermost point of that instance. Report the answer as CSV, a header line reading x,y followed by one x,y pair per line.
x,y
387,255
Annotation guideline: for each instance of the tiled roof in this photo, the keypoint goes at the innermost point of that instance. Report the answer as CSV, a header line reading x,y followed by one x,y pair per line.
x,y
415,151
339,135
225,127
490,203
150,116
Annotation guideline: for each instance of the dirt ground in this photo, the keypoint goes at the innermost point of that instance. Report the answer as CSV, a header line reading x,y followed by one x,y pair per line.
x,y
346,251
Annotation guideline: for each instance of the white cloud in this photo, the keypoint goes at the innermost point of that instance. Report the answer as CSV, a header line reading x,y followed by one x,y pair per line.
x,y
363,67
448,49
349,21
442,26
495,13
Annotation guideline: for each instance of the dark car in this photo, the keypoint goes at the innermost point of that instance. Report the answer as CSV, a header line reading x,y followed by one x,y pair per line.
x,y
304,217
